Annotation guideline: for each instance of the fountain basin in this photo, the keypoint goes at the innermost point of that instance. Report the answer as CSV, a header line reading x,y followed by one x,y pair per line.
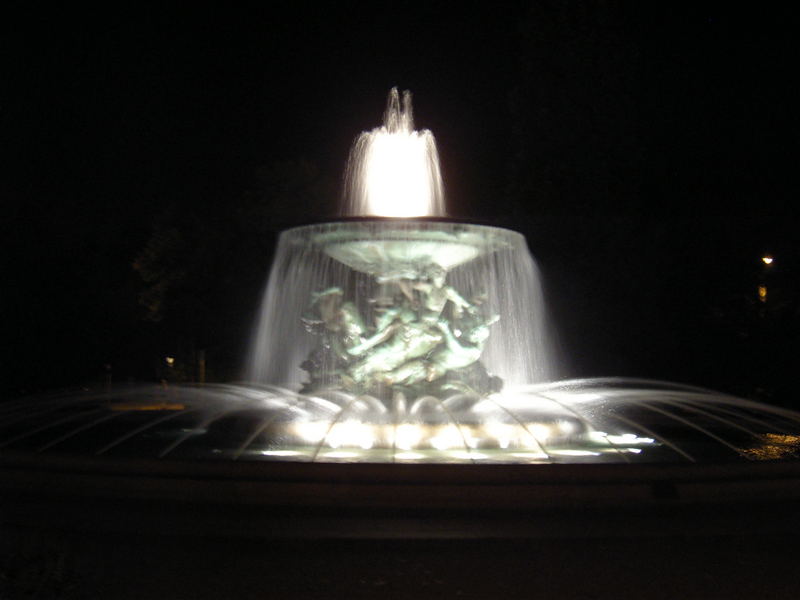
x,y
570,422
384,247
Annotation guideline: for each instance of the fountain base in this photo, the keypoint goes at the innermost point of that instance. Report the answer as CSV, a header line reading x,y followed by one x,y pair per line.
x,y
580,421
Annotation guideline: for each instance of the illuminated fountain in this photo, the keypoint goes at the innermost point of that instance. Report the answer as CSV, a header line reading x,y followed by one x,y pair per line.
x,y
397,307
396,335
426,339
405,324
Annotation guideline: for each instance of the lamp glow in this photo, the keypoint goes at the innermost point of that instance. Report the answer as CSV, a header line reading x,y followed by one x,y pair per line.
x,y
407,436
397,182
448,438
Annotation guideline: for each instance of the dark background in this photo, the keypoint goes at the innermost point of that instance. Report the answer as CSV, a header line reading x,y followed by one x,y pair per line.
x,y
646,150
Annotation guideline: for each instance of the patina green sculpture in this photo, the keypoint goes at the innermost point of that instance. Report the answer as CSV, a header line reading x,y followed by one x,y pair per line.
x,y
426,339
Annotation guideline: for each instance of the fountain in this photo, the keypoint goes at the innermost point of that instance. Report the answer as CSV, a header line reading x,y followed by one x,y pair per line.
x,y
466,295
397,335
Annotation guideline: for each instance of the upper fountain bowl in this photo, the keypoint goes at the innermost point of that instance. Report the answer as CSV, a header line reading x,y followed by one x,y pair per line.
x,y
383,247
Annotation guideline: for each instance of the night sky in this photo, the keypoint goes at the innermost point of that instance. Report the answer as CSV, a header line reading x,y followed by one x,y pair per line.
x,y
646,150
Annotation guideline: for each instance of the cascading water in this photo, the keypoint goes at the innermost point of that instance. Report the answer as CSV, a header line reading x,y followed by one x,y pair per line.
x,y
366,265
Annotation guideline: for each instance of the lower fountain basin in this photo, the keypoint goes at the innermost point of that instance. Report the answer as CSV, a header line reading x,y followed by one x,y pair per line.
x,y
577,421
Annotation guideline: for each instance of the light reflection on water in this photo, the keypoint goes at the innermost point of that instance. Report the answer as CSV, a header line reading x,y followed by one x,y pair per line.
x,y
575,421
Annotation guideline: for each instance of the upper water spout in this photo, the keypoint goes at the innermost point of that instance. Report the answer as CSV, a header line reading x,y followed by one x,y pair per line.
x,y
397,119
393,171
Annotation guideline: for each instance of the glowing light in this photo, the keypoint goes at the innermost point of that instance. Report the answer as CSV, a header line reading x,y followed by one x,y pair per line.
x,y
393,170
529,455
767,259
629,438
281,453
170,360
412,441
465,455
501,432
397,182
447,438
572,452
566,427
485,407
311,431
762,293
407,436
540,432
623,439
341,454
351,433
409,455
527,441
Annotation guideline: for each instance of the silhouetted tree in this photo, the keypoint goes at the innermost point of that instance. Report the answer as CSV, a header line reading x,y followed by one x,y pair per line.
x,y
203,268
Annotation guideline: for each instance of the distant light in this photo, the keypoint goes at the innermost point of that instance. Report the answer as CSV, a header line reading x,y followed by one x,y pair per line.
x,y
762,293
767,259
170,360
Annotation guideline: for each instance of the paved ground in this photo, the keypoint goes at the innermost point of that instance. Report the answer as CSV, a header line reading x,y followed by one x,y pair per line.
x,y
62,564
184,531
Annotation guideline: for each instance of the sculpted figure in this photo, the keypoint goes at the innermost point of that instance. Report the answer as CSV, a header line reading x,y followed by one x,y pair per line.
x,y
339,322
455,353
415,341
434,294
404,339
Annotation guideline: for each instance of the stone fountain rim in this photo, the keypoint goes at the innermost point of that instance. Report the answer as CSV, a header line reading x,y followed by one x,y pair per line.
x,y
476,223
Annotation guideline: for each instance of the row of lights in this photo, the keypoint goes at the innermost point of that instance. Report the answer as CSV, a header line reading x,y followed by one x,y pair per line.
x,y
768,260
410,438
